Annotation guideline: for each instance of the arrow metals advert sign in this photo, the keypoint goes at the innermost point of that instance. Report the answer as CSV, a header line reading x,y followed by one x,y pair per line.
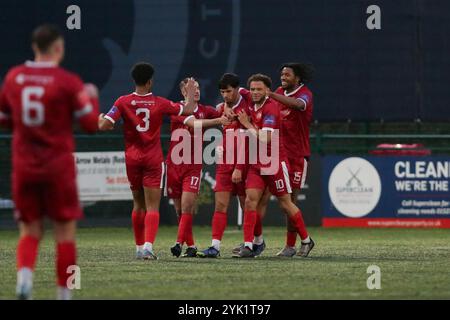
x,y
102,176
399,192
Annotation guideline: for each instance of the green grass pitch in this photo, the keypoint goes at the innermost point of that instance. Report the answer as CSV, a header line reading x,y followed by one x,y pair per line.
x,y
415,264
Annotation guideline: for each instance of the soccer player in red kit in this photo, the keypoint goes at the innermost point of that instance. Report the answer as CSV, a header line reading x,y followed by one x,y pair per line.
x,y
296,102
40,100
142,113
225,187
239,176
265,124
183,179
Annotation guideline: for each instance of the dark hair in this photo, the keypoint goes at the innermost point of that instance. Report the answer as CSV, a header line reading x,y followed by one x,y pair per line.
x,y
304,71
44,36
260,77
229,79
142,72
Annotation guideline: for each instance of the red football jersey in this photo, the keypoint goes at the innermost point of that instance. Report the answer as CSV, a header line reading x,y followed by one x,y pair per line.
x,y
41,100
267,117
227,166
178,122
142,117
295,123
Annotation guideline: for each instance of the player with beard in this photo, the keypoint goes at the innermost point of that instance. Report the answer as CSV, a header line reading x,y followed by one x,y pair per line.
x,y
265,125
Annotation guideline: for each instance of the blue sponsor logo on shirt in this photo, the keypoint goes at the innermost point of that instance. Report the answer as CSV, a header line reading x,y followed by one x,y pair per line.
x,y
269,120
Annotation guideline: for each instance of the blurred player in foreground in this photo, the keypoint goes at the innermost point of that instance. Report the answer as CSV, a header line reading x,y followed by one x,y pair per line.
x,y
40,100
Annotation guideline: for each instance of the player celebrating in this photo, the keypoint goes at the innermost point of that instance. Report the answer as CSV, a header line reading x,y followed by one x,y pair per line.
x,y
183,180
40,100
142,113
265,125
297,108
225,188
297,105
238,178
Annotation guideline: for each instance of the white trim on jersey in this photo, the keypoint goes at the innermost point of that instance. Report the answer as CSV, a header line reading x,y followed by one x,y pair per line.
x,y
286,176
293,92
237,103
183,103
163,171
109,118
40,64
305,170
187,119
304,108
181,109
267,129
262,104
143,95
84,111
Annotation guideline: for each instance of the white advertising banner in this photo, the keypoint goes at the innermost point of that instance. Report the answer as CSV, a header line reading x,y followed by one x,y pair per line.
x,y
102,176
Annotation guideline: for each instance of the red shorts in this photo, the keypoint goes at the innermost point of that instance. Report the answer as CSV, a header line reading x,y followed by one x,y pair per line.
x,y
182,178
278,183
55,196
149,176
298,168
224,184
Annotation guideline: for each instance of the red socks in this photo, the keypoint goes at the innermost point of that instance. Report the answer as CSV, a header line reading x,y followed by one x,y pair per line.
x,y
185,230
219,224
27,252
138,220
258,226
249,225
291,238
299,224
189,235
151,225
65,256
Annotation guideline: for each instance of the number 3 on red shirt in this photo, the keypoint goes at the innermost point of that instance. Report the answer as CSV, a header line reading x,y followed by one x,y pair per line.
x,y
146,119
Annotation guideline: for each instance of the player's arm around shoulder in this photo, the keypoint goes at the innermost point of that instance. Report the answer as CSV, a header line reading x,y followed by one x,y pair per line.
x,y
291,102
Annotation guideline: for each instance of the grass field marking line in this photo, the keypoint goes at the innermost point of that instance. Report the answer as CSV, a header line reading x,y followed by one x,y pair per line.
x,y
374,280
74,280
